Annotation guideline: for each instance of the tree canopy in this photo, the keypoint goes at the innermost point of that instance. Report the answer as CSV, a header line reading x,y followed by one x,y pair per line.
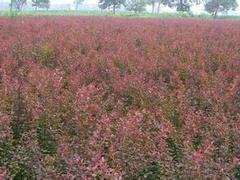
x,y
152,3
182,5
136,5
17,4
104,4
41,4
215,6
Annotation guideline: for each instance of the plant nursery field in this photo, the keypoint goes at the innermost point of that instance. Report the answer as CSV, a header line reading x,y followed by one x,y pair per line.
x,y
119,98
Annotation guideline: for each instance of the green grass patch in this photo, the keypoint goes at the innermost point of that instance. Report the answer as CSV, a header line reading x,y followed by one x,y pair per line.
x,y
46,55
6,153
8,13
19,120
236,172
151,172
197,141
45,136
21,171
174,149
172,112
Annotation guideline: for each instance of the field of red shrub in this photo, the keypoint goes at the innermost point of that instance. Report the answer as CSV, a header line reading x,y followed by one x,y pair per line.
x,y
119,98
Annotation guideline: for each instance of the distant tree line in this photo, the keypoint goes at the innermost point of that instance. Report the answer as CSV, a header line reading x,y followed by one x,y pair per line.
x,y
211,6
18,4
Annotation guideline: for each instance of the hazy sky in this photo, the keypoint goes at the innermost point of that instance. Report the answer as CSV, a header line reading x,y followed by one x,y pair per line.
x,y
86,1
64,1
70,1
196,9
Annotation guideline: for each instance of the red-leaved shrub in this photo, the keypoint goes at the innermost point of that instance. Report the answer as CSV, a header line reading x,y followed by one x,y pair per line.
x,y
119,98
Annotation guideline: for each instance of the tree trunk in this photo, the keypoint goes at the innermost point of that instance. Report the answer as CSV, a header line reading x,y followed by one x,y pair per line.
x,y
76,8
11,5
19,7
114,9
181,5
158,9
215,14
153,6
35,4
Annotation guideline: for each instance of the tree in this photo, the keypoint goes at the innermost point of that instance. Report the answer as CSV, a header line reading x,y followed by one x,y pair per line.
x,y
114,4
152,3
41,4
135,5
158,7
164,2
197,2
17,4
182,5
77,3
215,6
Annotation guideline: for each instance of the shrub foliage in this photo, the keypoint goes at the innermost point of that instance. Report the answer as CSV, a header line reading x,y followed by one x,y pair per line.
x,y
118,98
